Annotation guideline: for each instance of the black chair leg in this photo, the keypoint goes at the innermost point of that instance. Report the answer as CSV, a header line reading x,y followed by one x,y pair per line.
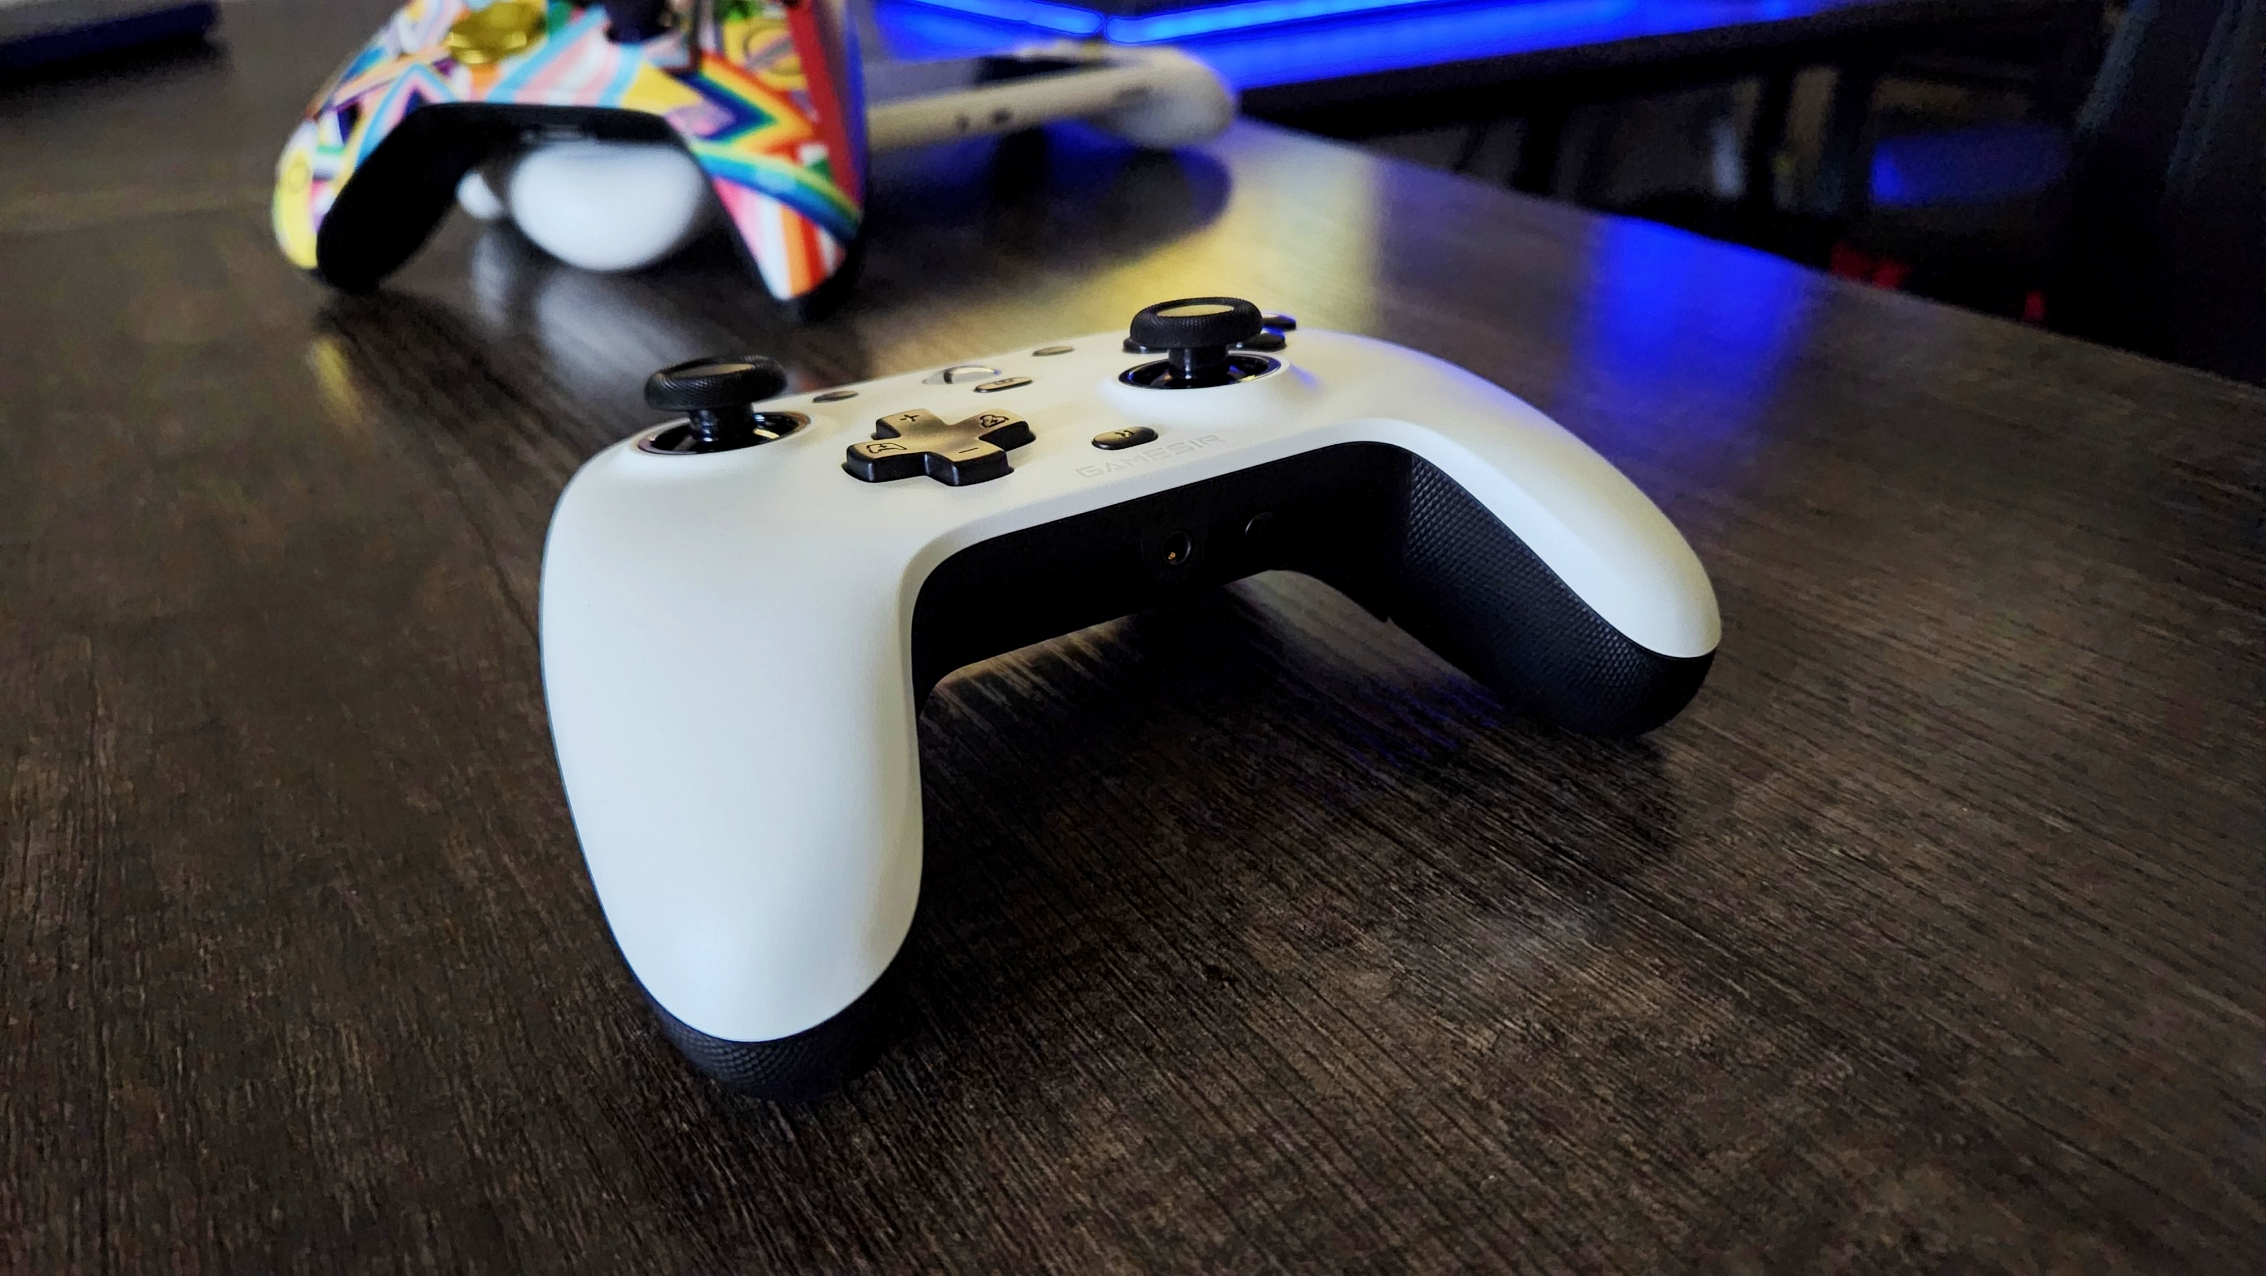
x,y
1844,184
1764,140
1537,170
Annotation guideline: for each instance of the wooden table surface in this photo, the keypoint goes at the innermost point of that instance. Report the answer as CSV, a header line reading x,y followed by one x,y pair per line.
x,y
1254,938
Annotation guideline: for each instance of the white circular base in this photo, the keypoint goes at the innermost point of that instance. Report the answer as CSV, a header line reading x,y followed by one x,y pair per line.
x,y
475,196
608,205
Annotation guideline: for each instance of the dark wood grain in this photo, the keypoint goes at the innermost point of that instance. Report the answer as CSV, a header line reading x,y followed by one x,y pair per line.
x,y
1253,937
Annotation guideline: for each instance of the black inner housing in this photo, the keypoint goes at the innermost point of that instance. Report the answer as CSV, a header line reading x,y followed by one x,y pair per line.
x,y
393,200
1384,527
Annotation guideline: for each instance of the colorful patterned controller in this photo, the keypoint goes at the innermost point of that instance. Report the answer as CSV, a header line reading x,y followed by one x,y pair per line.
x,y
764,94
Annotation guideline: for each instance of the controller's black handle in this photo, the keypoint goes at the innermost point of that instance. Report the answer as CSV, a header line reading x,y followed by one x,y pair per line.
x,y
1383,526
1472,591
807,1065
388,209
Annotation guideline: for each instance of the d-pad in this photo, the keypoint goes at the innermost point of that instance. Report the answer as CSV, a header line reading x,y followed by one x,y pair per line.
x,y
919,442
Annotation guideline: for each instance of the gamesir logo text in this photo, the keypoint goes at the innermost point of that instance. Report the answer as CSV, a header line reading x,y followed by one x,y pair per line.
x,y
1147,456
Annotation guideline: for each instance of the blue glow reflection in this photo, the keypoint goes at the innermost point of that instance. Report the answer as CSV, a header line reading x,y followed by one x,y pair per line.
x,y
1363,43
914,32
1194,20
1258,43
1691,335
1154,28
1060,18
1979,164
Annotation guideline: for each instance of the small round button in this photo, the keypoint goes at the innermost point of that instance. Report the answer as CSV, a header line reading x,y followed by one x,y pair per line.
x,y
960,375
1280,322
1130,436
834,396
1043,351
1267,342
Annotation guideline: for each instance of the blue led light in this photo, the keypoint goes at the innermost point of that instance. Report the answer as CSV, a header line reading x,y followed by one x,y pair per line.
x,y
1982,163
1681,345
1256,44
1356,44
1179,24
1067,19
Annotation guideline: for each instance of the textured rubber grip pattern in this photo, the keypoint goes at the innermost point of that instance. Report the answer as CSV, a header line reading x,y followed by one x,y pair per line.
x,y
809,1065
1474,593
714,382
1196,321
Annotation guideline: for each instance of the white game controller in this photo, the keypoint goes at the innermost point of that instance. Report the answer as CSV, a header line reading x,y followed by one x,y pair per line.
x,y
743,610
1157,98
619,205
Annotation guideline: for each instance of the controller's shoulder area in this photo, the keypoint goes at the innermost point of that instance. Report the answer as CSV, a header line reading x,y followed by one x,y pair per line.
x,y
1196,387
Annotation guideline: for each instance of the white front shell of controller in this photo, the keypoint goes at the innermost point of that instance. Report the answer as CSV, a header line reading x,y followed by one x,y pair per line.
x,y
726,638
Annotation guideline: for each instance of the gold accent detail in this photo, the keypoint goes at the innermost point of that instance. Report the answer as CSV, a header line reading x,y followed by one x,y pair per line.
x,y
504,29
294,221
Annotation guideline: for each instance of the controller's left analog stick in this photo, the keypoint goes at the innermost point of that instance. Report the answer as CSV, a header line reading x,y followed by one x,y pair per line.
x,y
1196,322
718,381
717,395
1195,334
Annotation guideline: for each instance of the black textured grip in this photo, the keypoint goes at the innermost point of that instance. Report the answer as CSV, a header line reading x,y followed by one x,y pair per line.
x,y
1197,321
1383,526
1474,593
808,1065
714,382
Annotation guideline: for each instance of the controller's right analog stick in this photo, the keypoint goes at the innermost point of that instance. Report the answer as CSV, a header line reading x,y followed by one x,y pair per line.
x,y
717,395
1195,334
